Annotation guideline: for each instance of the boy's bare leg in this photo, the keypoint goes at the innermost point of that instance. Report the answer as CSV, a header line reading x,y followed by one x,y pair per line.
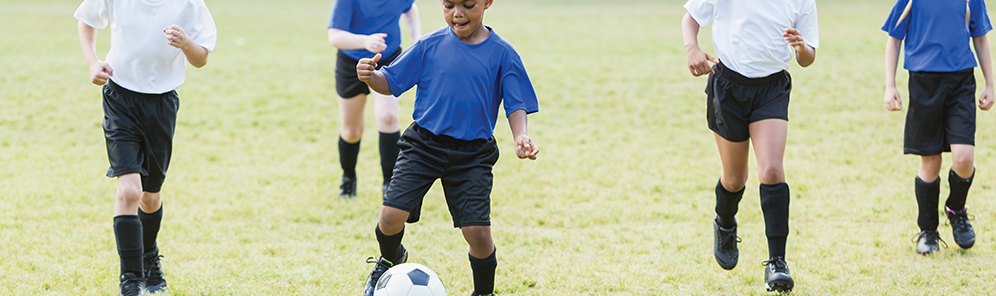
x,y
350,132
960,181
930,168
483,259
389,231
386,115
128,228
769,137
962,160
734,156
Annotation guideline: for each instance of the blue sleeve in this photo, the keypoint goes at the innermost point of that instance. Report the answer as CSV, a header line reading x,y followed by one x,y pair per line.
x,y
896,27
517,91
341,15
406,70
979,24
408,5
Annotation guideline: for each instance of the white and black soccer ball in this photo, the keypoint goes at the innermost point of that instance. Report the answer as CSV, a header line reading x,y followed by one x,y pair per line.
x,y
409,279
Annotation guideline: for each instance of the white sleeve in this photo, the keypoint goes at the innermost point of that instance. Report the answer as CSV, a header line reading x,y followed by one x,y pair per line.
x,y
93,13
808,25
203,32
702,11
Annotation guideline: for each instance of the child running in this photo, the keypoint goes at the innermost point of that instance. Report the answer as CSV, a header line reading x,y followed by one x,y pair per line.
x,y
463,71
747,101
151,42
941,116
360,29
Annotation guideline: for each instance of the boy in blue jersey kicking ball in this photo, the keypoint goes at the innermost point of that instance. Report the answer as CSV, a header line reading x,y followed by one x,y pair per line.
x,y
942,109
463,71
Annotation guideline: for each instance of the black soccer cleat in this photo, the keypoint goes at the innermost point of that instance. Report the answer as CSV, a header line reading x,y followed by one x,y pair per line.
x,y
927,242
776,275
961,229
475,294
724,246
132,285
156,281
381,266
347,190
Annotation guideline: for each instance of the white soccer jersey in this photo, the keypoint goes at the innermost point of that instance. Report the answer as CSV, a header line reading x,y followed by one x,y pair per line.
x,y
141,57
747,35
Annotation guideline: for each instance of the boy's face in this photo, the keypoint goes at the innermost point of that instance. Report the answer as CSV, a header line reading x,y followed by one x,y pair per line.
x,y
464,18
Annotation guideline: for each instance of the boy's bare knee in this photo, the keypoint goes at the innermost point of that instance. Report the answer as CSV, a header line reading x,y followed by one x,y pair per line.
x,y
351,134
129,194
392,220
734,183
772,174
387,120
963,161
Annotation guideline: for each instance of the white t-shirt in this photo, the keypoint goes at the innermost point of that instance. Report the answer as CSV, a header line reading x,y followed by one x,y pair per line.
x,y
140,56
747,35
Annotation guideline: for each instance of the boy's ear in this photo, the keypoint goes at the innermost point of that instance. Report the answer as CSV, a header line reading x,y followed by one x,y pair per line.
x,y
487,4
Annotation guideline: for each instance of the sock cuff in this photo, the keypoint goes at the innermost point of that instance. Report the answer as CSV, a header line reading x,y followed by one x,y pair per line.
x,y
158,213
125,218
952,177
382,134
774,187
343,142
381,234
721,189
937,182
491,260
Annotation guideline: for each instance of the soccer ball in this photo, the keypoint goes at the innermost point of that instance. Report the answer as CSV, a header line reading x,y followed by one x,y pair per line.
x,y
409,279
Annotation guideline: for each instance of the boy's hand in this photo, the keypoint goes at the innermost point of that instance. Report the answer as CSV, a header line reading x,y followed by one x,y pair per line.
x,y
986,100
893,102
525,148
365,68
698,62
375,42
100,72
176,37
794,39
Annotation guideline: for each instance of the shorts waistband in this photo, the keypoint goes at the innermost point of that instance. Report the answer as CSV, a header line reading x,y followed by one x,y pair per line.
x,y
117,88
728,73
966,71
444,138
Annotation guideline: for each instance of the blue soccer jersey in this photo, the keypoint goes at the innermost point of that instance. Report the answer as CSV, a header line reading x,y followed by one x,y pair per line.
x,y
365,17
937,36
460,85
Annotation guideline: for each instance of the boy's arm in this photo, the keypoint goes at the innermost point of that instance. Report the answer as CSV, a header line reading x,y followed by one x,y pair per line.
x,y
365,71
524,146
698,60
804,54
197,55
893,102
985,62
347,40
410,18
100,71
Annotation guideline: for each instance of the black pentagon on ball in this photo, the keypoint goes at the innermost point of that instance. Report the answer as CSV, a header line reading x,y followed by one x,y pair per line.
x,y
419,277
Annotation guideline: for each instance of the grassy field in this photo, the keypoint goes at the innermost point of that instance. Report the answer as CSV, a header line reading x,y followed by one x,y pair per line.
x,y
619,202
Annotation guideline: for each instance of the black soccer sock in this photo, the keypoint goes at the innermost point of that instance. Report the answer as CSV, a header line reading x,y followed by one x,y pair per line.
x,y
727,204
927,196
390,245
484,273
959,191
388,153
128,234
150,227
775,207
348,152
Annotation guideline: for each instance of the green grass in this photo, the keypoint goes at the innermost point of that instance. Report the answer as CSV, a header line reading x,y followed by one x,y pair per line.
x,y
619,202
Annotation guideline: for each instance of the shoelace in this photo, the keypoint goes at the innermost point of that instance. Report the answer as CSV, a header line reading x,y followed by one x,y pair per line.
x,y
725,241
132,286
154,267
778,264
934,235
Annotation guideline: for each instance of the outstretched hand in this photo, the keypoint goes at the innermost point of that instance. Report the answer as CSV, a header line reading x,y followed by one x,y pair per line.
x,y
794,39
698,62
375,42
525,148
986,100
365,68
893,102
100,72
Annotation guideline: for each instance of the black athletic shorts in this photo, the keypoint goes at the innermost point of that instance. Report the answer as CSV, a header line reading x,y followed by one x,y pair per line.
x,y
464,167
941,112
347,85
138,131
735,101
